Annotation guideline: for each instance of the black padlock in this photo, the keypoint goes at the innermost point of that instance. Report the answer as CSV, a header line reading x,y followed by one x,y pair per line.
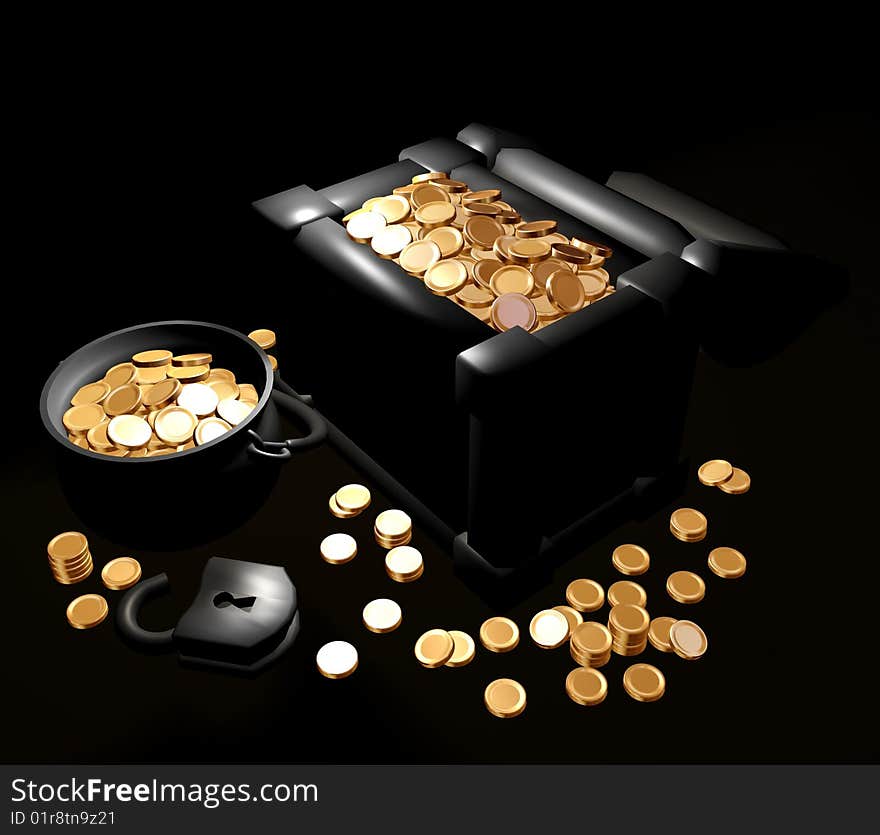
x,y
243,618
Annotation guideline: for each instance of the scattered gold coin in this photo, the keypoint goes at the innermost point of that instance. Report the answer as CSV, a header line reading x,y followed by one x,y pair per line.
x,y
714,472
499,634
586,686
434,648
727,562
738,483
464,650
631,559
353,498
591,644
338,659
404,564
585,595
505,698
382,615
549,629
688,525
644,682
688,640
572,615
338,512
87,611
121,573
626,591
658,633
338,548
685,587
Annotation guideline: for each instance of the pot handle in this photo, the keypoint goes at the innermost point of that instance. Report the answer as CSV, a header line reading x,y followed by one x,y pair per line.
x,y
298,407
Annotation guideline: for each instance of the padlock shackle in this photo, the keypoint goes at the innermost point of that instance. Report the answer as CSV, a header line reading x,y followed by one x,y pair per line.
x,y
130,607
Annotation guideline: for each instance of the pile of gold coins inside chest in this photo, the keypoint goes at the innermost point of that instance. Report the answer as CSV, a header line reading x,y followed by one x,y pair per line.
x,y
627,630
160,403
475,249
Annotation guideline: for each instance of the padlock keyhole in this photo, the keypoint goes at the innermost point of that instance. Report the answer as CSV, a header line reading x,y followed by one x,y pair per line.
x,y
224,599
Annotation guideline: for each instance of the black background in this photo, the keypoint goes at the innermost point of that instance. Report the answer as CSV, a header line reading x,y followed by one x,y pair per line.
x,y
139,206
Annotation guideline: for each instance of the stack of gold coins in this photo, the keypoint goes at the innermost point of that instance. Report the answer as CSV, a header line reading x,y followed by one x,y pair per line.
x,y
69,557
392,529
590,644
157,404
723,475
628,625
404,564
349,501
688,525
476,250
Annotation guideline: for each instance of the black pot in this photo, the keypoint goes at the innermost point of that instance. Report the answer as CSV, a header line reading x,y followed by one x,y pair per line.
x,y
192,496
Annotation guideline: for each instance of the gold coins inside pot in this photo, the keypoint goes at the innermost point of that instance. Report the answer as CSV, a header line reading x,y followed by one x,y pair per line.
x,y
382,615
585,595
69,557
160,403
434,648
505,698
590,644
87,611
630,559
727,562
437,230
688,525
392,528
586,686
499,634
628,625
121,573
685,587
404,564
688,640
338,659
644,682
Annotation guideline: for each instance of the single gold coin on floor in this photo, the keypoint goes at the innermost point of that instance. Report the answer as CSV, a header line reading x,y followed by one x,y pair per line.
x,y
688,525
505,698
626,591
585,595
644,682
685,587
738,483
586,686
630,559
464,650
688,640
658,633
727,562
714,472
434,648
87,611
121,573
499,634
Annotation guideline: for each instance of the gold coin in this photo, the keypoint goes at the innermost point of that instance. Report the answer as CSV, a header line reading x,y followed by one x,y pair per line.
x,y
486,195
338,659
594,287
221,374
727,562
546,310
415,231
511,278
426,193
155,442
501,248
452,186
688,525
391,524
175,425
338,548
67,546
513,310
482,209
204,358
418,256
231,410
362,227
549,629
129,432
151,359
79,419
407,189
90,393
571,254
338,512
572,615
592,639
166,450
448,238
247,394
434,648
431,175
544,269
80,441
435,215
508,217
350,215
473,295
739,482
658,633
446,278
629,620
482,232
188,374
115,452
141,452
686,587
210,429
499,634
162,394
585,595
714,472
644,682
626,591
70,578
505,698
123,400
463,651
150,376
394,208
120,375
528,251
586,686
688,640
565,291
353,498
390,241
222,388
382,615
599,250
484,270
121,573
630,559
87,611
536,229
73,565
199,399
387,544
404,563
